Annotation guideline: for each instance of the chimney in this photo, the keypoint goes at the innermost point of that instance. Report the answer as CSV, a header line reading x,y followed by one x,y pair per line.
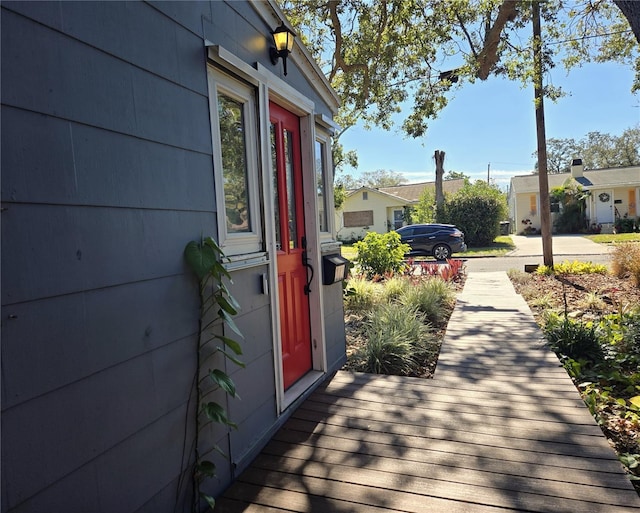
x,y
577,169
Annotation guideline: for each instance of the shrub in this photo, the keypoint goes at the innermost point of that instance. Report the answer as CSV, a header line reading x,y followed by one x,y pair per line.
x,y
572,219
380,254
574,267
625,261
573,339
625,225
622,332
397,340
477,210
433,297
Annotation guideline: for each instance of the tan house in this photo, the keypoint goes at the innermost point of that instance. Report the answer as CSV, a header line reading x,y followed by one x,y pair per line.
x,y
382,209
614,194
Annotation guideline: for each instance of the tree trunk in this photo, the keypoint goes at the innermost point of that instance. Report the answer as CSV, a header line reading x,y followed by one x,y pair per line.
x,y
543,181
439,157
631,11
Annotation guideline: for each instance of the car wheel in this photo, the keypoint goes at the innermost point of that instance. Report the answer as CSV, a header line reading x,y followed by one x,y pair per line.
x,y
441,252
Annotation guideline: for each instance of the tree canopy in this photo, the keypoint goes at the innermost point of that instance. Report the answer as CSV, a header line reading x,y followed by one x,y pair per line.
x,y
597,151
372,179
378,54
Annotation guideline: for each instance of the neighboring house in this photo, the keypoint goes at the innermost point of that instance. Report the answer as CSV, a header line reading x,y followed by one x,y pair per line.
x,y
128,130
613,193
382,209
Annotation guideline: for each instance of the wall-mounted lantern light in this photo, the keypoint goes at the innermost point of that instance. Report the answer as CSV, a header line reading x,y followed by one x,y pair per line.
x,y
283,39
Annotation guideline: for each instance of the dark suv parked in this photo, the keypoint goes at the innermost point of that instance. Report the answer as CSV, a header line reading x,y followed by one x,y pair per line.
x,y
437,240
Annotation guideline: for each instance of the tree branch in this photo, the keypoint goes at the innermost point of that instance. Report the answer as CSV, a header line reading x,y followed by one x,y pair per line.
x,y
488,57
467,35
337,53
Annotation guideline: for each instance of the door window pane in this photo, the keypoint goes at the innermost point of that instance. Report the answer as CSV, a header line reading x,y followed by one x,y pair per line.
x,y
276,202
234,164
291,196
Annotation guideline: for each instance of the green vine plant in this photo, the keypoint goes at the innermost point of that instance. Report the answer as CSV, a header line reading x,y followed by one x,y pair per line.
x,y
217,308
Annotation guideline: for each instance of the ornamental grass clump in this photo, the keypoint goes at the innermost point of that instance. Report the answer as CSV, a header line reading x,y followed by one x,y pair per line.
x,y
393,288
361,295
397,341
625,262
433,297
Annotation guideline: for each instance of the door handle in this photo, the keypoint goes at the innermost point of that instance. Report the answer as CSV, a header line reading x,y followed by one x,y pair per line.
x,y
309,267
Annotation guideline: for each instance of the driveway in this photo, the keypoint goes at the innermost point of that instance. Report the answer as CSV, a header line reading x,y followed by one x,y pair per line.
x,y
529,251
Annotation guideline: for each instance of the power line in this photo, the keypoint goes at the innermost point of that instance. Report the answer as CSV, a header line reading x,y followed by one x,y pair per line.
x,y
589,37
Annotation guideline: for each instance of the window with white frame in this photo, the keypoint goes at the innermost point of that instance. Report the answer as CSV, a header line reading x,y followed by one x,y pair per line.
x,y
235,160
323,181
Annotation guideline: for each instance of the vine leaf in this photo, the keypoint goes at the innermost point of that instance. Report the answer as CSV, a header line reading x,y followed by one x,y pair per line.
x,y
210,500
239,363
226,305
218,414
207,468
223,380
231,344
201,258
229,321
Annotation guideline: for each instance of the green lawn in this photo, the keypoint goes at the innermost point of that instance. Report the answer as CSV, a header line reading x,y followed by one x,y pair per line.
x,y
501,245
348,251
607,238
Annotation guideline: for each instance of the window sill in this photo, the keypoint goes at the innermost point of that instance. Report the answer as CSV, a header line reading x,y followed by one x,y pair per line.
x,y
237,262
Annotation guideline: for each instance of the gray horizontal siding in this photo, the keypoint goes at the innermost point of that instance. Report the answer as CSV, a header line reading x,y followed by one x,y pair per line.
x,y
59,76
161,46
90,247
92,416
78,335
54,161
106,175
126,478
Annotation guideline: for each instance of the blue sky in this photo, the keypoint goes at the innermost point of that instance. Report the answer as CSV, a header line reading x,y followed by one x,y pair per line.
x,y
493,122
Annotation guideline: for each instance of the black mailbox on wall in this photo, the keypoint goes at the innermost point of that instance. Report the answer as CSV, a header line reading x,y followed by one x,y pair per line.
x,y
334,269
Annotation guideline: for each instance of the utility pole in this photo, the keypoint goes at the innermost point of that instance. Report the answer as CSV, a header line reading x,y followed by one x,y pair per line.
x,y
543,181
439,158
488,169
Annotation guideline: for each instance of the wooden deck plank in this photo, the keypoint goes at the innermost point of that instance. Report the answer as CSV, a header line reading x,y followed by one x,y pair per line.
x,y
322,495
490,490
501,428
533,390
536,453
445,426
470,395
552,414
471,423
460,463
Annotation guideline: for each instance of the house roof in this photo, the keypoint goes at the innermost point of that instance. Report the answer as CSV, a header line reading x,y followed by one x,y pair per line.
x,y
592,179
411,192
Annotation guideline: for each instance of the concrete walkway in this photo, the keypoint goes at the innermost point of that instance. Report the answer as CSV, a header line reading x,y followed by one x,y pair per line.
x,y
499,429
568,246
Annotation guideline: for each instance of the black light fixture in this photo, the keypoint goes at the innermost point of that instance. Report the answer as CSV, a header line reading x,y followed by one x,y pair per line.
x,y
283,39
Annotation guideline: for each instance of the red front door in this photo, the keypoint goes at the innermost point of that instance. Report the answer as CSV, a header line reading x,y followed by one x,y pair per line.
x,y
290,241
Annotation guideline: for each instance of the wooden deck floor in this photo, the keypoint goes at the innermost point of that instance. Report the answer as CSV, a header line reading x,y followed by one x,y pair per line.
x,y
501,428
